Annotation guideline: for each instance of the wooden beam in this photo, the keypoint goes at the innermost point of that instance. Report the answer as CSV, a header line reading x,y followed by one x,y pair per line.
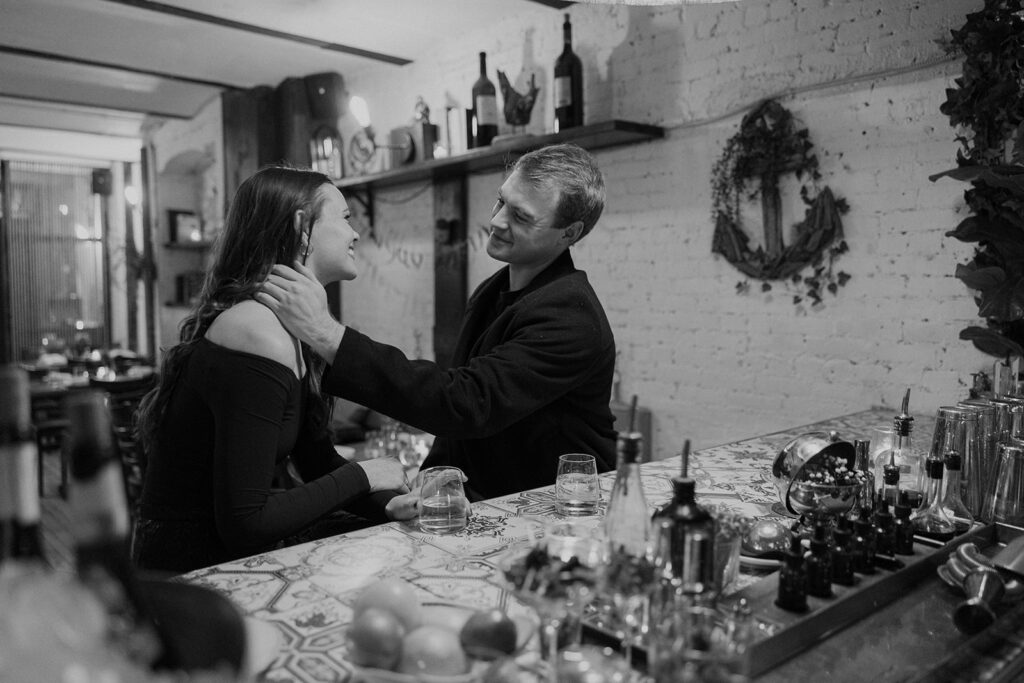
x,y
54,57
261,30
554,4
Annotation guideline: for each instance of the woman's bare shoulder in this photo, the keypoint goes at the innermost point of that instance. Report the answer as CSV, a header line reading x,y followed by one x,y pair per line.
x,y
253,328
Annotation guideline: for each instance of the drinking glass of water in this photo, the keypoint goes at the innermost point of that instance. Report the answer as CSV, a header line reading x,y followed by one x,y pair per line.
x,y
444,508
577,491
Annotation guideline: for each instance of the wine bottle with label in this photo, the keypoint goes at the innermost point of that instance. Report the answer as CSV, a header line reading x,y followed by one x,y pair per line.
x,y
485,107
568,90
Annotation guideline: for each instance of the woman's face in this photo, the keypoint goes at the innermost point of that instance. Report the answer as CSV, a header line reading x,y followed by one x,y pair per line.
x,y
332,253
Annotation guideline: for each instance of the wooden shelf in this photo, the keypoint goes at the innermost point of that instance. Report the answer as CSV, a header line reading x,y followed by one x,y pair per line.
x,y
499,155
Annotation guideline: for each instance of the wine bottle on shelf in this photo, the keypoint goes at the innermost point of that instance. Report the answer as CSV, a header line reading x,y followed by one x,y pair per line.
x,y
19,471
100,513
568,90
686,538
626,524
485,107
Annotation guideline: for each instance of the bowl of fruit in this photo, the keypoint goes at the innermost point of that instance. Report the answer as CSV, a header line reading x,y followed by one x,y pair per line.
x,y
394,637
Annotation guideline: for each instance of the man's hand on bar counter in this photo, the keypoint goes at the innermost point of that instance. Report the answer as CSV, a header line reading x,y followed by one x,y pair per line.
x,y
300,302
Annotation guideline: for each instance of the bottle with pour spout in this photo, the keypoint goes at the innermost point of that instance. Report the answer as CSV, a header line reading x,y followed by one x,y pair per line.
x,y
686,538
904,456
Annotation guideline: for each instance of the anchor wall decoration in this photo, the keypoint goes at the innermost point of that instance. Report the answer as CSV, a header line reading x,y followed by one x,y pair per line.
x,y
767,146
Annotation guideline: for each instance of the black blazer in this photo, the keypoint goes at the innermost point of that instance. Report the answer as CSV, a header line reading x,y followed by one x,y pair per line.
x,y
524,387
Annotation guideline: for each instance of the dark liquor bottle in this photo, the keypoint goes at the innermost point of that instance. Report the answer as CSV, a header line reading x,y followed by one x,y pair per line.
x,y
885,529
485,107
792,594
819,564
842,560
863,546
903,536
97,502
568,90
687,541
19,471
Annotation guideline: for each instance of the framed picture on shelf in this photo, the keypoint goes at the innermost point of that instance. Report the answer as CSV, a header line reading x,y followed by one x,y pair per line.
x,y
184,226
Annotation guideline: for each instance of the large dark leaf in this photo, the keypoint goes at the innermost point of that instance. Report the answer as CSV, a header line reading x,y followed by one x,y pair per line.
x,y
991,342
982,279
1006,177
1001,303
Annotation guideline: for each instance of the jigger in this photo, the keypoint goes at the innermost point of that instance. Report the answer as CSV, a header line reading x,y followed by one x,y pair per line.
x,y
984,588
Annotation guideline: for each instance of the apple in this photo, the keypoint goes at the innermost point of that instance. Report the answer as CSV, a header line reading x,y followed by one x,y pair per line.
x,y
432,650
488,634
395,596
375,638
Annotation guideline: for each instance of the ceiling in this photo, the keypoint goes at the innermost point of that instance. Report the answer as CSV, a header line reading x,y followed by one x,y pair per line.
x,y
103,66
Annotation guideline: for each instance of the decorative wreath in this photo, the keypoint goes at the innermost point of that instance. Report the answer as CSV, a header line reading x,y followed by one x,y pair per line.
x,y
767,146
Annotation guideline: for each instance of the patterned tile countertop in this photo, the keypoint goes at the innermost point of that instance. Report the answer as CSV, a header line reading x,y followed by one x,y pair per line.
x,y
307,591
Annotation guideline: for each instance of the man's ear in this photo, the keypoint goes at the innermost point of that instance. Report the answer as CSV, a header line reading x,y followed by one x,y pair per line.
x,y
572,232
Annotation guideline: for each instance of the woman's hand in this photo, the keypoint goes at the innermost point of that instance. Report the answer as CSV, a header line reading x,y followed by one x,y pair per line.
x,y
404,507
384,474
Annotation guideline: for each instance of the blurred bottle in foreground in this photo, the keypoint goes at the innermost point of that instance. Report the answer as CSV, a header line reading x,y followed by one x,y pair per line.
x,y
19,472
100,514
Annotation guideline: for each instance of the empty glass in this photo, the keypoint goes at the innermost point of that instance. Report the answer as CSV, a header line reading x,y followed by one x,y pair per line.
x,y
1006,501
956,429
444,508
577,490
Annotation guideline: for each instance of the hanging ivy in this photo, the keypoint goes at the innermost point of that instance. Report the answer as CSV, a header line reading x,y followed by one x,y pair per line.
x,y
768,145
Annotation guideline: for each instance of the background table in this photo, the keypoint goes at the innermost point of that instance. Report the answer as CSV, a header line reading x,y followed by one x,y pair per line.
x,y
307,591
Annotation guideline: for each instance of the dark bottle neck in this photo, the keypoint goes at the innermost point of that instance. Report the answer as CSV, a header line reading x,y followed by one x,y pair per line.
x,y
483,64
567,34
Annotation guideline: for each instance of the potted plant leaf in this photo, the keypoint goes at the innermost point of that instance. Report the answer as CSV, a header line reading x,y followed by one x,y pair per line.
x,y
986,106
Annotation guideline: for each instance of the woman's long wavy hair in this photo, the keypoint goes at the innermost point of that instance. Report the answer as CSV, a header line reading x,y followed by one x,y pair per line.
x,y
259,232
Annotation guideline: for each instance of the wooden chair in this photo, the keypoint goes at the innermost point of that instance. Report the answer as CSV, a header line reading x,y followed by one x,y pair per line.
x,y
124,397
51,424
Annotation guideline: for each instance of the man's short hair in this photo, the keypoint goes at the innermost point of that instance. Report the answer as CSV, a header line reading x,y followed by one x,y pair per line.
x,y
572,171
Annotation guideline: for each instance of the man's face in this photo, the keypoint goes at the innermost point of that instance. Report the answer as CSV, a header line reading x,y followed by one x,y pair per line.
x,y
523,229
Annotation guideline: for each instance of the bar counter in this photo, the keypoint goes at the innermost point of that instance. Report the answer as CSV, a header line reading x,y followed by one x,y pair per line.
x,y
307,591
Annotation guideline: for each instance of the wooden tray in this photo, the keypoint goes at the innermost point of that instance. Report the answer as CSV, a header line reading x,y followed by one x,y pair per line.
x,y
786,634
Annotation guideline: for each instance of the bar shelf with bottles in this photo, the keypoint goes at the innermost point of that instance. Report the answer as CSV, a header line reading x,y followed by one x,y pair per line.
x,y
591,136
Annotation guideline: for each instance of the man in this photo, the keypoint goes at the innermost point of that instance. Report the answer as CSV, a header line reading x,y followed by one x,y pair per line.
x,y
532,368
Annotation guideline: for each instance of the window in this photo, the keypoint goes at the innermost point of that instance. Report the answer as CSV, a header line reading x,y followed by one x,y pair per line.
x,y
53,231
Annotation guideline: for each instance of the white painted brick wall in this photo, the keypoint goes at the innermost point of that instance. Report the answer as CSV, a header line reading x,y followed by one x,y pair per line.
x,y
713,365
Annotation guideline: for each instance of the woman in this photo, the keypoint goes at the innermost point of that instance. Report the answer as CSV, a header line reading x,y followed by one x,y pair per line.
x,y
239,395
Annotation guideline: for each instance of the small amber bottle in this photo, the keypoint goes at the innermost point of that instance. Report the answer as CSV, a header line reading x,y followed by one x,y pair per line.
x,y
842,559
904,529
793,579
819,564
